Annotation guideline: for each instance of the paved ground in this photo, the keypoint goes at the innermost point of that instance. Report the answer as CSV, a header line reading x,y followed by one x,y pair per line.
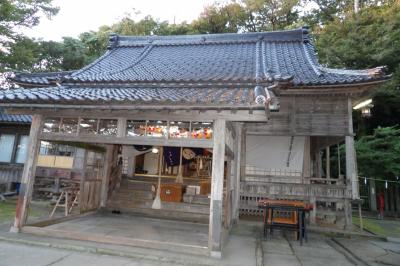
x,y
322,250
244,248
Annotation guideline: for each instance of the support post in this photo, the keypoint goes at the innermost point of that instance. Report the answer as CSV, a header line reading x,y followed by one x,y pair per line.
x,y
372,195
238,164
328,162
351,169
306,162
28,174
397,196
108,160
217,183
351,162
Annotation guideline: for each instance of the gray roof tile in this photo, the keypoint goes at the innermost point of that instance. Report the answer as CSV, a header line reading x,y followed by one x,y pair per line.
x,y
15,119
248,57
197,69
129,95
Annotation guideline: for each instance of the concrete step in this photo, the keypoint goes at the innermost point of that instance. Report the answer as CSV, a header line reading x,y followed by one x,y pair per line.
x,y
162,213
129,195
172,206
196,199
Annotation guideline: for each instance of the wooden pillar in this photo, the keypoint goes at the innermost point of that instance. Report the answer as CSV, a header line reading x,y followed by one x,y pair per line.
x,y
313,213
243,156
351,162
306,161
328,162
348,214
386,196
238,165
318,164
351,168
28,174
217,183
372,195
121,127
108,163
397,196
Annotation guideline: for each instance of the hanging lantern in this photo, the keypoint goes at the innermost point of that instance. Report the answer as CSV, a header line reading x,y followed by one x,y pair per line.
x,y
386,184
365,180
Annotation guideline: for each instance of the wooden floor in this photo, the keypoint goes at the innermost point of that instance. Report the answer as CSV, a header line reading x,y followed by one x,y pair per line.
x,y
131,230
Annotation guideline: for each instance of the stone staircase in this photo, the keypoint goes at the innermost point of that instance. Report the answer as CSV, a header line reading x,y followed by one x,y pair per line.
x,y
136,195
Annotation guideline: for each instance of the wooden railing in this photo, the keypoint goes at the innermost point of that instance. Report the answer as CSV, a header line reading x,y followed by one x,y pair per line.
x,y
252,192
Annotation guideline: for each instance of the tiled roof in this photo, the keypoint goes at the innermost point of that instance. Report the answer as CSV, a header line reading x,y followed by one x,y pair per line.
x,y
237,58
129,95
193,69
39,78
20,119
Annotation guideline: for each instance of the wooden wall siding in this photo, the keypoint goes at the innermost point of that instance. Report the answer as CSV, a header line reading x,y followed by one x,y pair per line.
x,y
306,116
10,173
90,195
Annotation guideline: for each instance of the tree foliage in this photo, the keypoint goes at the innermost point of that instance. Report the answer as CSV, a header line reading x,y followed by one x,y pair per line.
x,y
22,13
364,40
378,155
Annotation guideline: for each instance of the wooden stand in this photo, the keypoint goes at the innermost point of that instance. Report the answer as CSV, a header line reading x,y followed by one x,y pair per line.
x,y
67,195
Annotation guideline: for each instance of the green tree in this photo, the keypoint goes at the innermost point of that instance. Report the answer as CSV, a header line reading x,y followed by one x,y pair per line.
x,y
216,18
378,155
22,13
368,39
74,56
266,15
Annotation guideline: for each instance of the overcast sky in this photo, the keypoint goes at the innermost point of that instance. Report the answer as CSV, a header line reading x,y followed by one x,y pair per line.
x,y
77,16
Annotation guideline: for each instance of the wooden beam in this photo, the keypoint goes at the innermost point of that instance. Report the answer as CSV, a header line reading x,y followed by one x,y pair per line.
x,y
177,115
217,184
195,143
28,174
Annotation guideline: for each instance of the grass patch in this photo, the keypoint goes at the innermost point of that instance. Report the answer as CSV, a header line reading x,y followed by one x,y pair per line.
x,y
7,210
380,227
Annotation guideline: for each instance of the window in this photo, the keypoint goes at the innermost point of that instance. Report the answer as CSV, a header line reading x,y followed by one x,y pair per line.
x,y
135,128
6,147
49,148
156,128
179,129
69,126
108,127
88,126
22,149
51,125
202,130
